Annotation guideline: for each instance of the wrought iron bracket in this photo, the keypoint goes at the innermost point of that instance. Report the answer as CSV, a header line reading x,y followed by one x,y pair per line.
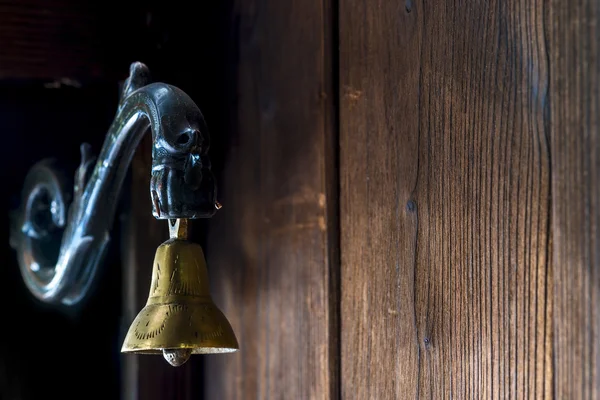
x,y
61,234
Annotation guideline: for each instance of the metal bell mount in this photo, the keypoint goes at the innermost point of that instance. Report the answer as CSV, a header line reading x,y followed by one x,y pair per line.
x,y
61,233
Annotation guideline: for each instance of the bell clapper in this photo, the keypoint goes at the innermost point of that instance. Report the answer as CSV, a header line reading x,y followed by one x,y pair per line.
x,y
177,357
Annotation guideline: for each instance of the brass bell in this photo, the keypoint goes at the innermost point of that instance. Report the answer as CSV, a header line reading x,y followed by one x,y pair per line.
x,y
179,318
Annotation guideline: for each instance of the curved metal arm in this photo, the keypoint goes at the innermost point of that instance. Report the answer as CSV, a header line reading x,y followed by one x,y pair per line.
x,y
182,186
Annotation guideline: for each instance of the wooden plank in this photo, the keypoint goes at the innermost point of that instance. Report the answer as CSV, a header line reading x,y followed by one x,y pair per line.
x,y
575,127
445,188
146,376
272,248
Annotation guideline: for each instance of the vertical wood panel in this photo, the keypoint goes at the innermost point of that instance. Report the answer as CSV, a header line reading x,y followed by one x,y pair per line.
x,y
576,196
445,200
270,248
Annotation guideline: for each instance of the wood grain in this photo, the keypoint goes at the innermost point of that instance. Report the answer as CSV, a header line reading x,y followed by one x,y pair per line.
x,y
271,249
445,200
575,127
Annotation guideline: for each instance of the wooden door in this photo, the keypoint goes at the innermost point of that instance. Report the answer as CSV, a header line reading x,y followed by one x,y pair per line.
x,y
411,201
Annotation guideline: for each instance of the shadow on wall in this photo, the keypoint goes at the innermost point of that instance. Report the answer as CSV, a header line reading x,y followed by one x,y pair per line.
x,y
43,352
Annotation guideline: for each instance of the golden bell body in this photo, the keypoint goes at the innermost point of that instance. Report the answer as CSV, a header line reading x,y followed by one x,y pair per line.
x,y
180,317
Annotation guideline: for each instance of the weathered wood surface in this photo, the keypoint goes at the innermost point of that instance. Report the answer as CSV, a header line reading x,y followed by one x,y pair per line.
x,y
271,250
445,200
575,99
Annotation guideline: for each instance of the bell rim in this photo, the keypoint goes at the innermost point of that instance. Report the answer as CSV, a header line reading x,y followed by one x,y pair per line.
x,y
195,350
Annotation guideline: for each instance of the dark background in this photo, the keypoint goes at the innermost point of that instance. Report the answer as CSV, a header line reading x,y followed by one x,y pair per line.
x,y
49,352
